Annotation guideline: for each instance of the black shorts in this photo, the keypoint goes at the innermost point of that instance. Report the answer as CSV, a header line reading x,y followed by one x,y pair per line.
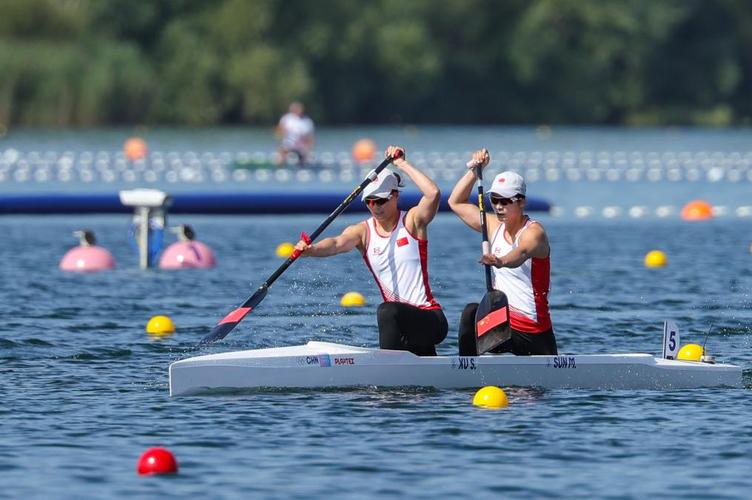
x,y
405,327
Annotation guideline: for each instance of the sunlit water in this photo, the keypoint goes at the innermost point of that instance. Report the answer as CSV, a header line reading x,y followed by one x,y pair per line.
x,y
84,389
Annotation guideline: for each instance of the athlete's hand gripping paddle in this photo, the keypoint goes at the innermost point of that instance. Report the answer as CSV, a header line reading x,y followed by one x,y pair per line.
x,y
229,322
492,317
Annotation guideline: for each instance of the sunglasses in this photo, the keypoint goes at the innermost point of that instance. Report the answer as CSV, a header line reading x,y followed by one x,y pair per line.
x,y
498,200
377,201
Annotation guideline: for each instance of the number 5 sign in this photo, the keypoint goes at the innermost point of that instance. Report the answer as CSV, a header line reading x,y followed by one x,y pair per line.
x,y
670,340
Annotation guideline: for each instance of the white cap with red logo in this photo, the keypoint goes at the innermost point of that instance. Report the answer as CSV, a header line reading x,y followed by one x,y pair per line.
x,y
382,187
508,185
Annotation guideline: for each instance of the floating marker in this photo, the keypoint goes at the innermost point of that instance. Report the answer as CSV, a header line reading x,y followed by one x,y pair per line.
x,y
135,149
87,257
491,397
284,250
697,210
691,352
187,254
160,325
352,299
157,461
655,258
364,150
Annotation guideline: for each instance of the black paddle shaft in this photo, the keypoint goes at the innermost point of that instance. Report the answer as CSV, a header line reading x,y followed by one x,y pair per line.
x,y
228,323
492,317
483,229
342,206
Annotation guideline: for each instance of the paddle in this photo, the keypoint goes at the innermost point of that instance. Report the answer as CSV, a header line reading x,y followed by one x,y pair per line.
x,y
492,317
229,322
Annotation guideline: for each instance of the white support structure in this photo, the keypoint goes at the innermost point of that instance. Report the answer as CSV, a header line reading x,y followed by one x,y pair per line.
x,y
150,205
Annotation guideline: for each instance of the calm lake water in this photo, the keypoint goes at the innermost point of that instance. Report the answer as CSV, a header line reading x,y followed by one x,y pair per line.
x,y
85,389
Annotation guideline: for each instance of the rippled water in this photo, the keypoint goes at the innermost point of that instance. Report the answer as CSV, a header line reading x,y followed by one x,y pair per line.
x,y
84,389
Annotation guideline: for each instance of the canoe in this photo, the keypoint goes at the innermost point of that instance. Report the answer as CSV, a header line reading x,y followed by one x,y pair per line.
x,y
318,365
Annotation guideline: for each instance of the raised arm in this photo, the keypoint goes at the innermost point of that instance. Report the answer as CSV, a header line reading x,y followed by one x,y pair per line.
x,y
533,243
424,212
353,236
468,212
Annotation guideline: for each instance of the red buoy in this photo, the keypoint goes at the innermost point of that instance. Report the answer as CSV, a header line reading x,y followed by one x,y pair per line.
x,y
157,461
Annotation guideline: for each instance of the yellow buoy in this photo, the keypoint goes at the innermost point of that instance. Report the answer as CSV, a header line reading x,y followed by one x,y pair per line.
x,y
690,352
655,258
490,396
160,325
284,250
352,299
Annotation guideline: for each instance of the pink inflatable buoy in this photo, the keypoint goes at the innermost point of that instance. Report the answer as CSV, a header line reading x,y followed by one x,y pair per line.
x,y
87,257
187,253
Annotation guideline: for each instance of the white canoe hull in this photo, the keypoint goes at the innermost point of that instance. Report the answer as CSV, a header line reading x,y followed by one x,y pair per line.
x,y
322,365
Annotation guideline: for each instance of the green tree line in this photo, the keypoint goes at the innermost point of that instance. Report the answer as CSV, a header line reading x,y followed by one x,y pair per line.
x,y
207,62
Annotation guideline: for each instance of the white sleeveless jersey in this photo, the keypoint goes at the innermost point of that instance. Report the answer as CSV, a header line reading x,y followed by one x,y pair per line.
x,y
399,263
526,286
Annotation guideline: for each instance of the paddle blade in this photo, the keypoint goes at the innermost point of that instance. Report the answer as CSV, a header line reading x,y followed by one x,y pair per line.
x,y
230,321
492,321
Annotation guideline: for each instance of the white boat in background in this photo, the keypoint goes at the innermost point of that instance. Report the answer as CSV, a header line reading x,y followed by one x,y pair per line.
x,y
328,365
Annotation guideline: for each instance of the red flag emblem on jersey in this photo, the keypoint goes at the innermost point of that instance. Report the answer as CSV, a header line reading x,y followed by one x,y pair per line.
x,y
402,242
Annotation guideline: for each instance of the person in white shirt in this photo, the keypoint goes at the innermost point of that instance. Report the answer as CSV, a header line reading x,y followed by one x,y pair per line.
x,y
295,130
394,246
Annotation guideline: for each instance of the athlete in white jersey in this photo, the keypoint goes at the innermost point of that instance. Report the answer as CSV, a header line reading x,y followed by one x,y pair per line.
x,y
394,245
520,256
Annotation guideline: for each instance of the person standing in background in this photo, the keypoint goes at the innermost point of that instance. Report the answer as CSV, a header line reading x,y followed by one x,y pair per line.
x,y
295,131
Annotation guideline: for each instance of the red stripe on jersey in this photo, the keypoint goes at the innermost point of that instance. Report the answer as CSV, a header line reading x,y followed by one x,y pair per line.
x,y
540,277
423,249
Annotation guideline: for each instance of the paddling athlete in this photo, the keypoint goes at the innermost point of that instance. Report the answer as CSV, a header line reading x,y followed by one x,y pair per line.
x,y
520,256
394,245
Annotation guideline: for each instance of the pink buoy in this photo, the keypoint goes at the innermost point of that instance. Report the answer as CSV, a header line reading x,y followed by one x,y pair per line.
x,y
187,253
87,257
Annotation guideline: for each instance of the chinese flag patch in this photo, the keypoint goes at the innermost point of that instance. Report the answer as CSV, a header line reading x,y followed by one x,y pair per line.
x,y
402,241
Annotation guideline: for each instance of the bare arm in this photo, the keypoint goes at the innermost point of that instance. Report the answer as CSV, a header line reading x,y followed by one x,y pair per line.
x,y
533,243
350,238
423,213
466,211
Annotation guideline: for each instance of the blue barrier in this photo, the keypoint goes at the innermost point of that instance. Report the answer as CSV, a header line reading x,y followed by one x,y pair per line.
x,y
210,203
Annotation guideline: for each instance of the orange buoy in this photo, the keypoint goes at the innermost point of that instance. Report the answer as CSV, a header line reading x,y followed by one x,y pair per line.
x,y
697,210
364,150
157,461
135,149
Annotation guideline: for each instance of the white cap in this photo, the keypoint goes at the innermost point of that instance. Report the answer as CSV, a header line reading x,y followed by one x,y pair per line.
x,y
383,186
508,185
